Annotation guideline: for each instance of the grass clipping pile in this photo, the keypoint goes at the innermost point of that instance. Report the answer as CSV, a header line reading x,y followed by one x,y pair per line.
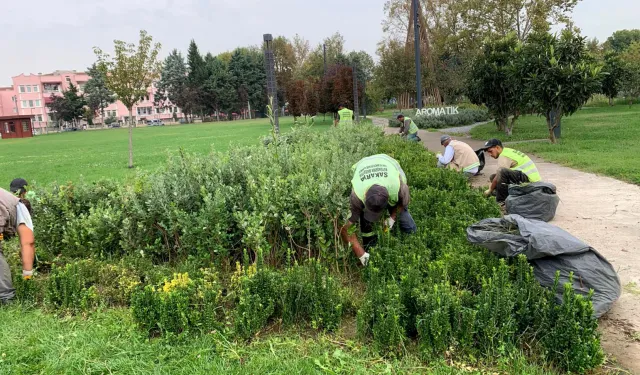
x,y
237,242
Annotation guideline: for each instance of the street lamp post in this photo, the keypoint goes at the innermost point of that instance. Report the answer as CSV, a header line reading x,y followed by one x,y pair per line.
x,y
416,32
272,86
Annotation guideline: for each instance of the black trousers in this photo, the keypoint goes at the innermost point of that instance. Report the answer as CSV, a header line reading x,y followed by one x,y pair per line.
x,y
507,177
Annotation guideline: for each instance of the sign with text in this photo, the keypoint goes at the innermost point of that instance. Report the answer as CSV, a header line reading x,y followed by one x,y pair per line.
x,y
437,111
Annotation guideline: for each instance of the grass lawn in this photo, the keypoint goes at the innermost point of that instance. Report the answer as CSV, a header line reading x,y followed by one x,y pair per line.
x,y
601,140
97,154
109,343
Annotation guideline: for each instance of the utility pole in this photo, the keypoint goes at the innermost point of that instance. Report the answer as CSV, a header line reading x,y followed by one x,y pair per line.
x,y
356,109
364,98
272,88
416,35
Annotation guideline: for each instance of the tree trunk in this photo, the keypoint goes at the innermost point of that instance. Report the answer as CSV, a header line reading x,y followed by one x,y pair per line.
x,y
552,124
130,138
500,123
610,102
509,126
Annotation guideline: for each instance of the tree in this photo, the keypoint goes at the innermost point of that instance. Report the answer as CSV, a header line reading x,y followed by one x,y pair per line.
x,y
631,81
295,91
197,76
284,65
496,83
130,72
173,87
614,73
314,65
70,107
219,94
248,78
301,50
396,69
560,75
622,39
96,92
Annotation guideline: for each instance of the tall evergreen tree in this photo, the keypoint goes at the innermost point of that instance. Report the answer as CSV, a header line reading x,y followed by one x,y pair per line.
x,y
196,77
173,86
97,93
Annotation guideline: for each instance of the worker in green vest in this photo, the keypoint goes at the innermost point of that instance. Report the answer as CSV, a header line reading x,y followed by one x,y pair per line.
x,y
514,168
408,128
378,184
345,116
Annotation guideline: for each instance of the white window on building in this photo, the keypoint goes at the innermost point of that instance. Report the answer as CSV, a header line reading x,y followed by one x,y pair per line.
x,y
28,88
142,111
38,103
31,103
37,118
22,89
67,79
36,88
24,103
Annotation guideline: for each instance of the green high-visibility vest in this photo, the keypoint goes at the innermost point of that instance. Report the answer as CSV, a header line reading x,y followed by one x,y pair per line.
x,y
346,116
523,164
413,128
380,170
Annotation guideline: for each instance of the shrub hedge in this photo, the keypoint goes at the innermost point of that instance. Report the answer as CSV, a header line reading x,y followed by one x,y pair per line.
x,y
465,116
252,237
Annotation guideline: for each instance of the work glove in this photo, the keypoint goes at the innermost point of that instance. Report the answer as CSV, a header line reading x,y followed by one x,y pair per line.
x,y
487,192
26,275
364,259
438,155
389,223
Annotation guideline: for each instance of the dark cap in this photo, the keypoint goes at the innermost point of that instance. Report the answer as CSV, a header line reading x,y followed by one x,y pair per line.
x,y
444,138
18,185
492,143
400,116
375,202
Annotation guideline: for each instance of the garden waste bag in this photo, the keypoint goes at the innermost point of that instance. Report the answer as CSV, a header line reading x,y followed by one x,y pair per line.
x,y
537,201
549,248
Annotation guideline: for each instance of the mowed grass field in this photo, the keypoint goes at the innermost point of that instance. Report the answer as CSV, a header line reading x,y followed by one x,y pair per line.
x,y
95,154
603,140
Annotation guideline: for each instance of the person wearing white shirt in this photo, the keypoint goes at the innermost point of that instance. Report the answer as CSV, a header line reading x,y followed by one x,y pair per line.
x,y
15,218
459,156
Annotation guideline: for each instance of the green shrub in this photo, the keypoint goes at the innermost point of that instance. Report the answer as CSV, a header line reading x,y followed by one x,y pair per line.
x,y
258,298
83,285
310,294
570,336
180,305
444,321
465,116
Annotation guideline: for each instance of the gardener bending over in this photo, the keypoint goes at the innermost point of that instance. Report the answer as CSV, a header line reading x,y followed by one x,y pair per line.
x,y
514,168
408,128
15,218
459,156
378,184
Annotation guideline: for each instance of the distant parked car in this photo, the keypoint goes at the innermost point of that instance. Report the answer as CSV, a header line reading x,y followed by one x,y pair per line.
x,y
183,121
114,125
155,122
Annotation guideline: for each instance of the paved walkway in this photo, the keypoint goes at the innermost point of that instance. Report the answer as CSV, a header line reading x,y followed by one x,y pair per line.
x,y
604,213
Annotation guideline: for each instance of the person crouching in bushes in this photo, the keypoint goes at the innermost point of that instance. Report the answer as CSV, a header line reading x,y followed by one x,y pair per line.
x,y
514,168
459,156
15,218
379,184
408,128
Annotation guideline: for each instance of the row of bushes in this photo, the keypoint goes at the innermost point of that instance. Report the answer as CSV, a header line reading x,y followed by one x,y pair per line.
x,y
269,206
465,116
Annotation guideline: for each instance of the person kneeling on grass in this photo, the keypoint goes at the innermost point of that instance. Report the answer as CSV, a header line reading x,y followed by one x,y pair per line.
x,y
378,184
408,128
514,168
459,156
15,218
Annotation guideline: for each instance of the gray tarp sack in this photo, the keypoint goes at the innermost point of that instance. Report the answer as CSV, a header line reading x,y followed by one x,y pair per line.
x,y
549,248
537,200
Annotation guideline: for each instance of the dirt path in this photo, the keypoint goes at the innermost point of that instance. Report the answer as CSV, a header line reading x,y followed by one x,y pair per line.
x,y
604,213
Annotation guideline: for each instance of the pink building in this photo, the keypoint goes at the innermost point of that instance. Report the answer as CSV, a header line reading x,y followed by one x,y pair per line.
x,y
30,94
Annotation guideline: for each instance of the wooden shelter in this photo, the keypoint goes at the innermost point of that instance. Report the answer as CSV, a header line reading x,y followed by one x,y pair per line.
x,y
18,126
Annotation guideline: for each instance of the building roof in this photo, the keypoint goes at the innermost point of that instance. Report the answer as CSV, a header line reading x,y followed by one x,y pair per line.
x,y
15,117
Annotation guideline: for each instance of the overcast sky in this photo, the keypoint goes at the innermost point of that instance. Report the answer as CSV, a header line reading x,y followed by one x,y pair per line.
x,y
45,35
